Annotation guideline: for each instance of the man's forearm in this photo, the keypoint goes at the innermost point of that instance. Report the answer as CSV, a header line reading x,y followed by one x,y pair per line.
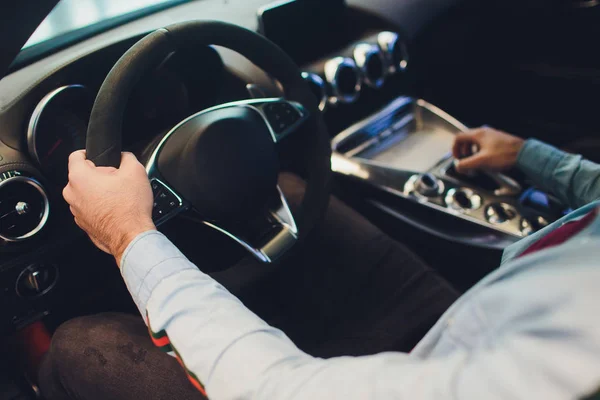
x,y
226,347
574,180
197,319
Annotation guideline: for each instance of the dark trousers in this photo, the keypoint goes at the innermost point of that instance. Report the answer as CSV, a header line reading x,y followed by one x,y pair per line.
x,y
350,290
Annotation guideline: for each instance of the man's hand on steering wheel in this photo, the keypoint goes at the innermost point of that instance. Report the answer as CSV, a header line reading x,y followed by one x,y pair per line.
x,y
111,205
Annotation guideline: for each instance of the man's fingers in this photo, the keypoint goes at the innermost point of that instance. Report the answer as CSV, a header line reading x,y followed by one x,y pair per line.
x,y
131,165
476,161
128,159
68,194
463,143
106,170
77,158
465,149
78,163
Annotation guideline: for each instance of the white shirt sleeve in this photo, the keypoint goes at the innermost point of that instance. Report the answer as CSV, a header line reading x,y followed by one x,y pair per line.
x,y
230,353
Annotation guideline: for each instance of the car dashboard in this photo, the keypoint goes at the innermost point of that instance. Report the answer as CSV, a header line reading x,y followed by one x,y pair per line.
x,y
385,141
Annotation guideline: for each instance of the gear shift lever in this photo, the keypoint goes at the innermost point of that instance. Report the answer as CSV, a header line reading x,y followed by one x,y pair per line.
x,y
507,186
473,150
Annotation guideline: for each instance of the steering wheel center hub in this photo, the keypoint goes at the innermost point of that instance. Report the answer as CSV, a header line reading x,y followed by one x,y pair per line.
x,y
223,161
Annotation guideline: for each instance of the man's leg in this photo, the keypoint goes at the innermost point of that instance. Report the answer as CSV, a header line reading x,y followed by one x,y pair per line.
x,y
351,289
110,356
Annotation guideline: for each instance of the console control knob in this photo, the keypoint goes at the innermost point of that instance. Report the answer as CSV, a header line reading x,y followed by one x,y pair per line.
x,y
499,213
531,226
526,227
541,222
463,199
36,280
427,185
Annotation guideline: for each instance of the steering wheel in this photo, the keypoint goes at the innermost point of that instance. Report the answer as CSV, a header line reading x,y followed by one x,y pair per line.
x,y
223,162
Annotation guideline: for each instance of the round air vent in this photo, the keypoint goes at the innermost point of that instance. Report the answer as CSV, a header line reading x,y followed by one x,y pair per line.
x,y
24,207
394,50
370,59
317,86
36,280
343,76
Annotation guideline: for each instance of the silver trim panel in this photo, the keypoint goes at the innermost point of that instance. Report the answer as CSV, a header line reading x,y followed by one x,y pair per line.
x,y
393,181
410,116
278,245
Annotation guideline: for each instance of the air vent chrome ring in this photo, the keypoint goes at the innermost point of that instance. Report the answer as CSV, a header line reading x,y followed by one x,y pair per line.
x,y
372,63
344,77
317,86
35,214
395,51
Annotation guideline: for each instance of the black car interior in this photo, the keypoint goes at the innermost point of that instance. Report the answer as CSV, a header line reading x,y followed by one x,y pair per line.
x,y
376,88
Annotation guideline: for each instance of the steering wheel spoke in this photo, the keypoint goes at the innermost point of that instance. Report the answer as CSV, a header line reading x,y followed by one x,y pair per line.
x,y
282,117
266,236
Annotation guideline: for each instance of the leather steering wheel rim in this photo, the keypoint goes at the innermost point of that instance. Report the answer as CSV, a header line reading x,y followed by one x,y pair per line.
x,y
104,135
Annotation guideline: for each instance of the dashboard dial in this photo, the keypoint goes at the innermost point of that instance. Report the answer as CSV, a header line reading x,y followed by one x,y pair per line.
x,y
24,206
58,127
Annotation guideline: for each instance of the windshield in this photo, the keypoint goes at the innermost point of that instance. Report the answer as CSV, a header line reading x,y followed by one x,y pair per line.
x,y
72,15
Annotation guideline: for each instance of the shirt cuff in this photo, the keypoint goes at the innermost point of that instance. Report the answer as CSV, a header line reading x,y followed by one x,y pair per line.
x,y
538,160
149,259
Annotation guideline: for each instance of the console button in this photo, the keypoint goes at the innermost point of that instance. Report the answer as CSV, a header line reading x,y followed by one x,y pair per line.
x,y
463,199
165,201
427,185
526,227
529,226
499,213
541,222
281,116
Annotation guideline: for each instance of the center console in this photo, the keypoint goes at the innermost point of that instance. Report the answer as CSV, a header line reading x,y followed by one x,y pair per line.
x,y
404,150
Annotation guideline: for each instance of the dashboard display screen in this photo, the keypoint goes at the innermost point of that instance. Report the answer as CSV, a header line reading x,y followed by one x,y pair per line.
x,y
300,26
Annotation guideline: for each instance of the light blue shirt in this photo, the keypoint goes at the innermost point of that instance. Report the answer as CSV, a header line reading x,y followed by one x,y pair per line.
x,y
530,329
